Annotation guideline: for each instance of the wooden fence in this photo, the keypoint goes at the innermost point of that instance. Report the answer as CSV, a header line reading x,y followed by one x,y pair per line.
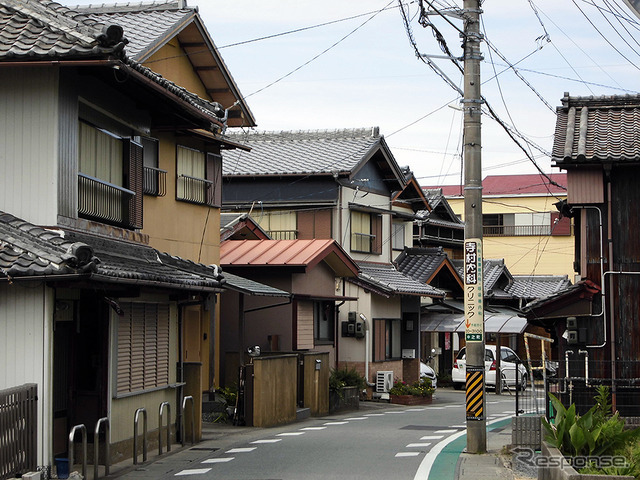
x,y
18,430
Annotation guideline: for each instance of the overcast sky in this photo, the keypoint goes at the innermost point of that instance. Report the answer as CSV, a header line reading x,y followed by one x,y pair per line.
x,y
363,72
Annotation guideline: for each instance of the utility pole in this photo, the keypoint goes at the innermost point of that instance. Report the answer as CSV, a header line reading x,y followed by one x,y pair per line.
x,y
473,281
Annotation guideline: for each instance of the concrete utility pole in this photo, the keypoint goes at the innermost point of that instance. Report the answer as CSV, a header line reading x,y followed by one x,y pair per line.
x,y
473,281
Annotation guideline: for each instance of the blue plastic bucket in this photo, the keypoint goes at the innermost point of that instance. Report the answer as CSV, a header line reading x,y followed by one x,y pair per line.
x,y
62,467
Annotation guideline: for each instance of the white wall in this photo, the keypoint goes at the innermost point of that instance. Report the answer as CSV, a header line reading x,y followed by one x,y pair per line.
x,y
29,143
26,312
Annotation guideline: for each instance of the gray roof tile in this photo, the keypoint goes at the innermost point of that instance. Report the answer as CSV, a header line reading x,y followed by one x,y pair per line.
x,y
538,286
300,152
597,129
388,280
143,22
421,264
27,250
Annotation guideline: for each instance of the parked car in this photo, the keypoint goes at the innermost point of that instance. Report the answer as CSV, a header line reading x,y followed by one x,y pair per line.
x,y
428,372
508,361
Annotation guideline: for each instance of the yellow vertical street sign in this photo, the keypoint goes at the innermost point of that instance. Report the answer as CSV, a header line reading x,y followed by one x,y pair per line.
x,y
475,393
473,291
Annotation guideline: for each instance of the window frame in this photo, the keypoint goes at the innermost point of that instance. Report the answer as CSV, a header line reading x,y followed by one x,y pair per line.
x,y
318,307
387,339
374,232
211,182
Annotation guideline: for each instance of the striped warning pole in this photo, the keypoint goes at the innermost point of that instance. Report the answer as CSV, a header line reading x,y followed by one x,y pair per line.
x,y
475,393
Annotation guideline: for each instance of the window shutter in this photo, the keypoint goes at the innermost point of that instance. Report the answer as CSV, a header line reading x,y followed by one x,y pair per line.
x,y
305,326
214,174
314,224
376,230
563,225
134,171
137,347
379,342
163,344
124,354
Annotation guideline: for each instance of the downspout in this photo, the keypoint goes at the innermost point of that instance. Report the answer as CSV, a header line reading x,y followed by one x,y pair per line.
x,y
367,350
612,347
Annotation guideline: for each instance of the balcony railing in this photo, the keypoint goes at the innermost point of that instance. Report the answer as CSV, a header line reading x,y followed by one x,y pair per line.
x,y
195,190
283,234
103,201
155,181
516,230
362,242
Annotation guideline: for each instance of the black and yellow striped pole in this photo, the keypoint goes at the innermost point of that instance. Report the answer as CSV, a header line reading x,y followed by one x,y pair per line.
x,y
473,281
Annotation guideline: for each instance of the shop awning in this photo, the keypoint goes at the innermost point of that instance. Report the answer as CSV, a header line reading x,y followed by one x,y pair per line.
x,y
500,322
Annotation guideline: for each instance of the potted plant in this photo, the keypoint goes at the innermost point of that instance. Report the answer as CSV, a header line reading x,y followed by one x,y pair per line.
x,y
416,393
345,385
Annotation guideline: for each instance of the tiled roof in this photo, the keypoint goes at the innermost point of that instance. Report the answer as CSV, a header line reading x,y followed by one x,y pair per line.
x,y
43,29
506,185
143,22
300,152
27,250
537,286
496,276
33,29
597,129
385,279
421,264
233,223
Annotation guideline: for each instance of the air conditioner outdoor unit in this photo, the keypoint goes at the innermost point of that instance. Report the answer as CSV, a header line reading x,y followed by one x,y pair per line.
x,y
384,382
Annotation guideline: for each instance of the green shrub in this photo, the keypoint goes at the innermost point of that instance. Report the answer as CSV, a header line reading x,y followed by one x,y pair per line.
x,y
346,377
421,388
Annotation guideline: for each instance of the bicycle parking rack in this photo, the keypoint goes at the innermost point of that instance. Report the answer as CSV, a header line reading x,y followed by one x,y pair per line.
x,y
96,450
160,411
193,422
144,435
72,434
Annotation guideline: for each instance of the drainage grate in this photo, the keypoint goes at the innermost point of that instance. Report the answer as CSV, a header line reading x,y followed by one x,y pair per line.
x,y
204,449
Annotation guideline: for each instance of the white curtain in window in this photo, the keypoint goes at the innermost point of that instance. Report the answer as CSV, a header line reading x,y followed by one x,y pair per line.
x,y
100,155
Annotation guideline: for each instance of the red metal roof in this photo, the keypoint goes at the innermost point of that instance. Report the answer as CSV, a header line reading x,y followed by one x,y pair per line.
x,y
531,184
287,253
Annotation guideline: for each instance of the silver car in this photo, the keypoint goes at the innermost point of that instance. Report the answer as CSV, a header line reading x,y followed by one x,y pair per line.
x,y
508,361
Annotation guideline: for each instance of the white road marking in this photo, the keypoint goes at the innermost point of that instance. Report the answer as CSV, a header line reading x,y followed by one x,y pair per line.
x,y
415,409
418,445
313,428
427,462
268,440
397,411
290,434
431,437
374,415
462,425
336,423
241,450
445,431
436,408
218,460
356,418
407,454
193,471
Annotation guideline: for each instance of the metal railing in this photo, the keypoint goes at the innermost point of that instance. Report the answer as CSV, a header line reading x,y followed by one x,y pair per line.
x,y
283,234
96,450
103,201
194,190
516,230
18,427
193,421
160,425
362,242
144,435
72,434
154,182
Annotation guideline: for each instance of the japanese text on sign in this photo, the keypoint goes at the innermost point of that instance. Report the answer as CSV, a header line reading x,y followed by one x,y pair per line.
x,y
473,291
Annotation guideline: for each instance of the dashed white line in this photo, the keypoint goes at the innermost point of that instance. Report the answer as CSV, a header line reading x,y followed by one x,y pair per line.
x,y
407,454
431,437
459,426
336,423
290,434
313,428
418,445
356,418
218,460
241,450
396,411
193,471
374,415
268,440
415,409
446,431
